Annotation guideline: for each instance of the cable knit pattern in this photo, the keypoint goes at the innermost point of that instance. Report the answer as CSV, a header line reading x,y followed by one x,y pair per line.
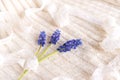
x,y
95,22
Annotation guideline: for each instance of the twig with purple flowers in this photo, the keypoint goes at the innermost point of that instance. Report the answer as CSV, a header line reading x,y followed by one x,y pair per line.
x,y
53,40
67,46
41,42
71,44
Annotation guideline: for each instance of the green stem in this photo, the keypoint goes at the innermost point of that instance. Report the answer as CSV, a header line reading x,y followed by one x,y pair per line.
x,y
37,52
44,52
39,59
47,56
23,74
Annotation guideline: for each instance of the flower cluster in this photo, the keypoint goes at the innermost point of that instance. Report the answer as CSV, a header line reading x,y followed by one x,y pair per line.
x,y
71,44
55,37
67,46
42,38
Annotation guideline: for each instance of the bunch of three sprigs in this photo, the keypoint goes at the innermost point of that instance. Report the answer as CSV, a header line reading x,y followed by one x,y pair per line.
x,y
71,44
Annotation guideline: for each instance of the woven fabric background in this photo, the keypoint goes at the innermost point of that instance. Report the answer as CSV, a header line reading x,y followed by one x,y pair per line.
x,y
78,64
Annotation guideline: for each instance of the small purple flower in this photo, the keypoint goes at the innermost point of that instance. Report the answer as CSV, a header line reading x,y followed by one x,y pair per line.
x,y
42,38
71,44
55,37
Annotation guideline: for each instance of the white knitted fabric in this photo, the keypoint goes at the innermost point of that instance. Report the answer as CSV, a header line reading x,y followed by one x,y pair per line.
x,y
95,22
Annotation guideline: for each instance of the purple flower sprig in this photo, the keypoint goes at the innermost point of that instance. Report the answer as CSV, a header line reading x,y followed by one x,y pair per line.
x,y
67,46
41,41
71,44
42,38
55,37
53,40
